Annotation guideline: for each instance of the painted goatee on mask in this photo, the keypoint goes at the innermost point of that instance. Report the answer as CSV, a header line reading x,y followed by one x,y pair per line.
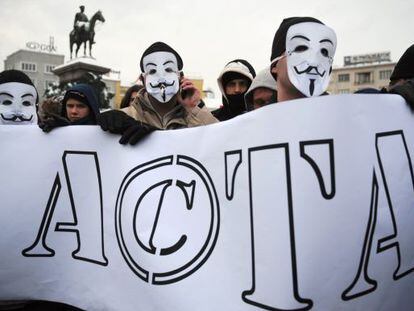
x,y
161,75
17,104
310,48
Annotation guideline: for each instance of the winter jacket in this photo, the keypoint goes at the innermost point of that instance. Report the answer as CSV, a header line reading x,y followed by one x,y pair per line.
x,y
263,79
231,109
179,117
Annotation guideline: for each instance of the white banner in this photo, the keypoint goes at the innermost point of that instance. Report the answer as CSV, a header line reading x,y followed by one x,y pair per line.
x,y
306,205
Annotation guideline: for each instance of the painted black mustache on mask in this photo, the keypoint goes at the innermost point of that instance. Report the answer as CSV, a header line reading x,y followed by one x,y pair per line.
x,y
20,118
162,85
309,69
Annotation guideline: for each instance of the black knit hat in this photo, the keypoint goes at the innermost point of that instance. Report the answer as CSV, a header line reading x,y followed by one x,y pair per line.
x,y
161,47
230,76
279,41
18,76
14,76
405,66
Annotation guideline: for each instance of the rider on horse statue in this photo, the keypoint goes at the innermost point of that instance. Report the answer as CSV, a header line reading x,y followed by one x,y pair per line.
x,y
81,23
84,31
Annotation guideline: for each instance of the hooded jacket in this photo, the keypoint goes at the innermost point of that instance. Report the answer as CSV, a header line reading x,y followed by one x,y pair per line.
x,y
229,110
179,117
88,97
263,79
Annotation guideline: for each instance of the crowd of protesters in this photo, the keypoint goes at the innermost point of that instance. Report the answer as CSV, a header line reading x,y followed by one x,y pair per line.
x,y
300,65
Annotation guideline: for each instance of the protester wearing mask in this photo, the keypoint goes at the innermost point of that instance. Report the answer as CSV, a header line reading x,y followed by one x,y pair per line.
x,y
167,101
302,56
402,77
18,99
234,81
401,80
262,91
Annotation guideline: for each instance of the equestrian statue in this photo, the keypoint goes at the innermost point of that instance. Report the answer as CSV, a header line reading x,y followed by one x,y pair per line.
x,y
84,31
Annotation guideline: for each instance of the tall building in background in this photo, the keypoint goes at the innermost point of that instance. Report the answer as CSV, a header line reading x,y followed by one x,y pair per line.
x,y
362,71
37,61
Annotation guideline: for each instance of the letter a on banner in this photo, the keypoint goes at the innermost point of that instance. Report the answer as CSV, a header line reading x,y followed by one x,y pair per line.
x,y
83,180
396,170
274,280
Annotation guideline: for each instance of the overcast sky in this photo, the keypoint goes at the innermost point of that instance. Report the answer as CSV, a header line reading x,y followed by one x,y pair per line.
x,y
207,34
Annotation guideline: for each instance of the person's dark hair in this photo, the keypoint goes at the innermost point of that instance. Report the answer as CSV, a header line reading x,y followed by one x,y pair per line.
x,y
405,66
127,98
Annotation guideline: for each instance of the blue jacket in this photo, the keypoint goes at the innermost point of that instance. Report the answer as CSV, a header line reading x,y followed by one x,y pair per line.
x,y
86,94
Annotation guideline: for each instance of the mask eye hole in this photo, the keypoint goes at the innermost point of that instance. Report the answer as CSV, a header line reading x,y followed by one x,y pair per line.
x,y
152,71
7,102
169,69
26,103
325,52
300,48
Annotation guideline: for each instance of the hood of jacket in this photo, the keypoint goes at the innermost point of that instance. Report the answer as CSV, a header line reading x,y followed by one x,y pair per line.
x,y
263,79
91,101
238,66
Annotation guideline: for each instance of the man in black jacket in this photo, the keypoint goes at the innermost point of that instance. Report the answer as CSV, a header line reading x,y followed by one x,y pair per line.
x,y
79,107
302,56
234,81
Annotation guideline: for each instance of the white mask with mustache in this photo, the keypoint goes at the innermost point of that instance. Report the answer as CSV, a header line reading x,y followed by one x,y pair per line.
x,y
17,104
310,48
161,75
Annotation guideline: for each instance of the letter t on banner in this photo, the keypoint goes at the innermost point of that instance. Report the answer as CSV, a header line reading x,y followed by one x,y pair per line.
x,y
275,285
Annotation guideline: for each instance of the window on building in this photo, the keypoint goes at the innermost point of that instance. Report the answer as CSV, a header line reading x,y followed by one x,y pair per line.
x,y
385,74
343,91
49,68
29,67
363,77
343,77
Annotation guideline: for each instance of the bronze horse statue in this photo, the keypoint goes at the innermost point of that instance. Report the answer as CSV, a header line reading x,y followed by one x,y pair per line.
x,y
84,35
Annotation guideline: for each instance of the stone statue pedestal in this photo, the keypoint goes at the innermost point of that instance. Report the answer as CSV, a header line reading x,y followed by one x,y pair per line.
x,y
73,70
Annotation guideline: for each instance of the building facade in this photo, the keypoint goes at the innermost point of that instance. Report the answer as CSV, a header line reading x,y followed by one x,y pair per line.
x,y
363,72
37,65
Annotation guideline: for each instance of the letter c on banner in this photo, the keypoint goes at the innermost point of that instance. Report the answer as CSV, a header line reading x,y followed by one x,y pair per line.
x,y
167,219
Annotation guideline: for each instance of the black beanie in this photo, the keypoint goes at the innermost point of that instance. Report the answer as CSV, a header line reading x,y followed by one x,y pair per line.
x,y
279,41
405,66
18,76
79,96
161,47
15,76
231,75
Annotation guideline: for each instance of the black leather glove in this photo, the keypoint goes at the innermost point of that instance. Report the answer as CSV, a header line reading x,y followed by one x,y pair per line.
x,y
136,132
53,122
406,90
118,122
115,121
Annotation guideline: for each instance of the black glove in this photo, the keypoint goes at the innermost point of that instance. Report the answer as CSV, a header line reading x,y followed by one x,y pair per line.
x,y
53,122
115,121
118,122
136,132
406,90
